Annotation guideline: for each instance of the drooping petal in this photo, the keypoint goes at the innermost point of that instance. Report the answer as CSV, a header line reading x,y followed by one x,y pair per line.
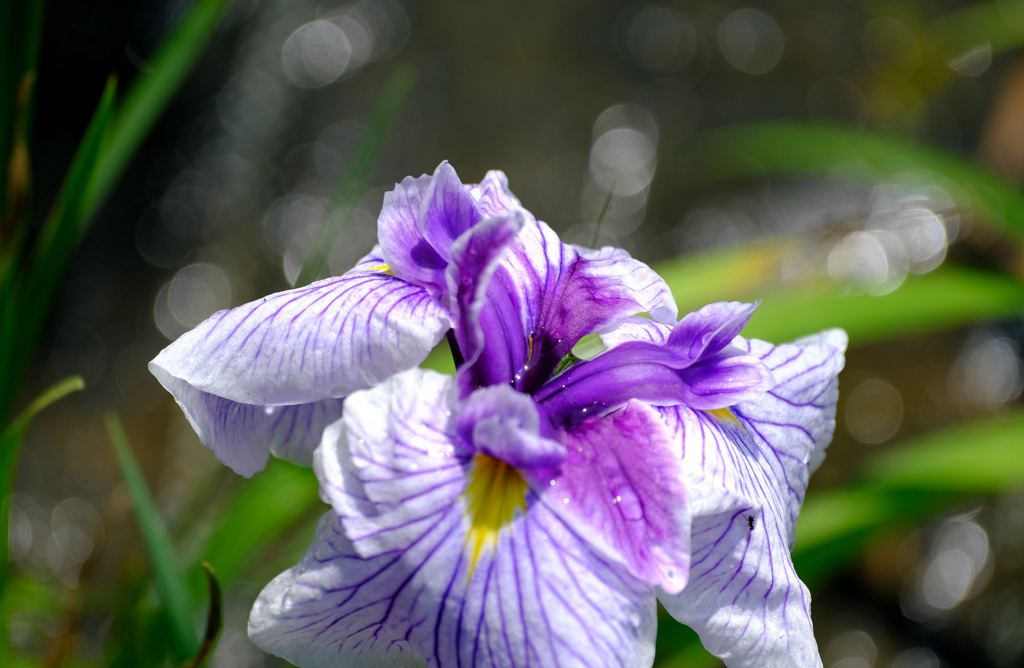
x,y
332,609
242,436
634,329
547,295
622,486
537,595
303,345
507,425
748,469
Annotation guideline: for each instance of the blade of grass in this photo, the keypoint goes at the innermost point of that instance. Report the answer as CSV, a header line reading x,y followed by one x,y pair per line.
x,y
281,496
149,95
781,148
21,27
214,620
170,580
25,308
382,119
10,443
946,298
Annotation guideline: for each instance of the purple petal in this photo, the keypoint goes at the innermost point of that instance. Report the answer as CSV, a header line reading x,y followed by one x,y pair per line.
x,y
448,210
401,239
304,345
748,472
507,425
707,331
547,295
243,435
394,472
622,487
475,257
493,196
632,329
724,379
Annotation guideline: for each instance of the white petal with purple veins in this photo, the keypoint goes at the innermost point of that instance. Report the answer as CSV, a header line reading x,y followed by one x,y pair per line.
x,y
324,340
243,435
536,595
748,471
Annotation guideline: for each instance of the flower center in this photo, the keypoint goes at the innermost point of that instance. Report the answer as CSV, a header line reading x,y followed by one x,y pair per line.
x,y
494,492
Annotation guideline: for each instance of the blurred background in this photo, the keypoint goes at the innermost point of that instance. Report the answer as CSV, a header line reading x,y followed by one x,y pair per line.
x,y
851,164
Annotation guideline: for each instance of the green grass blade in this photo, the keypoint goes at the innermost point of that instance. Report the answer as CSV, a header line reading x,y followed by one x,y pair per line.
x,y
150,93
10,444
26,305
781,148
281,496
351,188
214,620
21,27
170,580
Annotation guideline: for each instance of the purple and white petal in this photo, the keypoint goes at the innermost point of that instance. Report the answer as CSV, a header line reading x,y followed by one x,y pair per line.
x,y
303,345
333,609
242,436
494,198
632,329
475,257
622,486
553,294
402,246
539,595
748,470
703,333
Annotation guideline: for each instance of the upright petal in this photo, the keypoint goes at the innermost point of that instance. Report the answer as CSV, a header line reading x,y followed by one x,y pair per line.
x,y
402,245
547,295
394,473
748,469
324,340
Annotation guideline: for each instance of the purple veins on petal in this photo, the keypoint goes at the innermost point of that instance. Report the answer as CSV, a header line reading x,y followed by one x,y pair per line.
x,y
540,595
744,598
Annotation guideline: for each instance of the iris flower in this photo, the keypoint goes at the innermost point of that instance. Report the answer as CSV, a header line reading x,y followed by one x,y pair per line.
x,y
268,376
532,509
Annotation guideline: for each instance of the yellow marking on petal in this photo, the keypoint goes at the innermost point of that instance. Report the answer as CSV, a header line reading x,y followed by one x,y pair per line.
x,y
529,349
494,492
383,268
725,415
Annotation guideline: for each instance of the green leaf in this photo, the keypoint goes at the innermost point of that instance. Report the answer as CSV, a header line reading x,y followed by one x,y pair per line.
x,y
351,188
10,444
170,580
904,486
150,93
25,310
945,298
260,511
780,148
214,620
21,27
